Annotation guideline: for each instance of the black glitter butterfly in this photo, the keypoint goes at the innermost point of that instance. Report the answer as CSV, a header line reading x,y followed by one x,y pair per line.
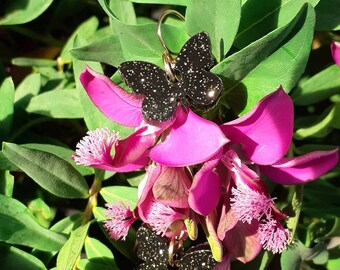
x,y
194,83
153,250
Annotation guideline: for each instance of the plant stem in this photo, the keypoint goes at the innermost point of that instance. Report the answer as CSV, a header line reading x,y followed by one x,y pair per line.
x,y
92,202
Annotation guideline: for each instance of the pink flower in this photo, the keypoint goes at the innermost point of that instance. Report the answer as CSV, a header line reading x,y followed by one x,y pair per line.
x,y
121,219
180,137
102,149
163,199
230,182
247,208
265,134
335,49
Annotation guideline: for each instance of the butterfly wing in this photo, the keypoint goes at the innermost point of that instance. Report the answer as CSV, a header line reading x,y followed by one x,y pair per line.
x,y
152,250
149,80
202,87
196,53
200,259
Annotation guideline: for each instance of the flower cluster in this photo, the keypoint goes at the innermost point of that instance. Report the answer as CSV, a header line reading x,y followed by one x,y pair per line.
x,y
200,173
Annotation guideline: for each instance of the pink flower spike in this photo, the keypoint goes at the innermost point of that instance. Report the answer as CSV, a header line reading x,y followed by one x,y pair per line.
x,y
121,219
95,148
265,132
273,236
192,140
248,204
113,101
161,216
302,169
335,49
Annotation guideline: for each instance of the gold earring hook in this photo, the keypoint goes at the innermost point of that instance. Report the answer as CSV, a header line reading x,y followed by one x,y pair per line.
x,y
168,61
160,21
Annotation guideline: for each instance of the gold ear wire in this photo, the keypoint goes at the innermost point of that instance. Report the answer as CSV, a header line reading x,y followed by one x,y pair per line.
x,y
168,61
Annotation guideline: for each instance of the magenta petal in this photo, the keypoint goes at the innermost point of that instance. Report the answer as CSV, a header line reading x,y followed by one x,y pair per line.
x,y
192,140
205,191
335,49
266,131
303,169
113,101
134,149
242,242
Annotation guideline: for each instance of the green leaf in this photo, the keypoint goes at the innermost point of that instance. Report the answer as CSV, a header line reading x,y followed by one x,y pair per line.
x,y
13,258
319,87
163,2
125,247
85,264
327,15
134,178
62,152
286,65
57,104
23,11
7,107
98,253
106,50
259,19
113,194
19,226
221,20
292,258
267,69
65,226
33,62
322,126
28,88
84,31
124,11
333,264
69,253
5,164
140,42
42,212
49,171
6,183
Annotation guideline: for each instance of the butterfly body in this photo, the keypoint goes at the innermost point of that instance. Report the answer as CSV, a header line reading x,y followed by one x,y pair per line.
x,y
194,84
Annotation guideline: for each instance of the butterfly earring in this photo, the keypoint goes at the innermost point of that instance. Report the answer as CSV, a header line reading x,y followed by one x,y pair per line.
x,y
185,80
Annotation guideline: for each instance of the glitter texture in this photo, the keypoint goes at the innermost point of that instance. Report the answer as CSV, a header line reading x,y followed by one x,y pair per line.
x,y
195,84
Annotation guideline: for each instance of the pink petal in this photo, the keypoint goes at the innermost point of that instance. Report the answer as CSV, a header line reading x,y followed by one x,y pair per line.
x,y
205,191
303,169
192,140
145,193
228,219
172,187
132,153
335,49
266,131
113,101
242,242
